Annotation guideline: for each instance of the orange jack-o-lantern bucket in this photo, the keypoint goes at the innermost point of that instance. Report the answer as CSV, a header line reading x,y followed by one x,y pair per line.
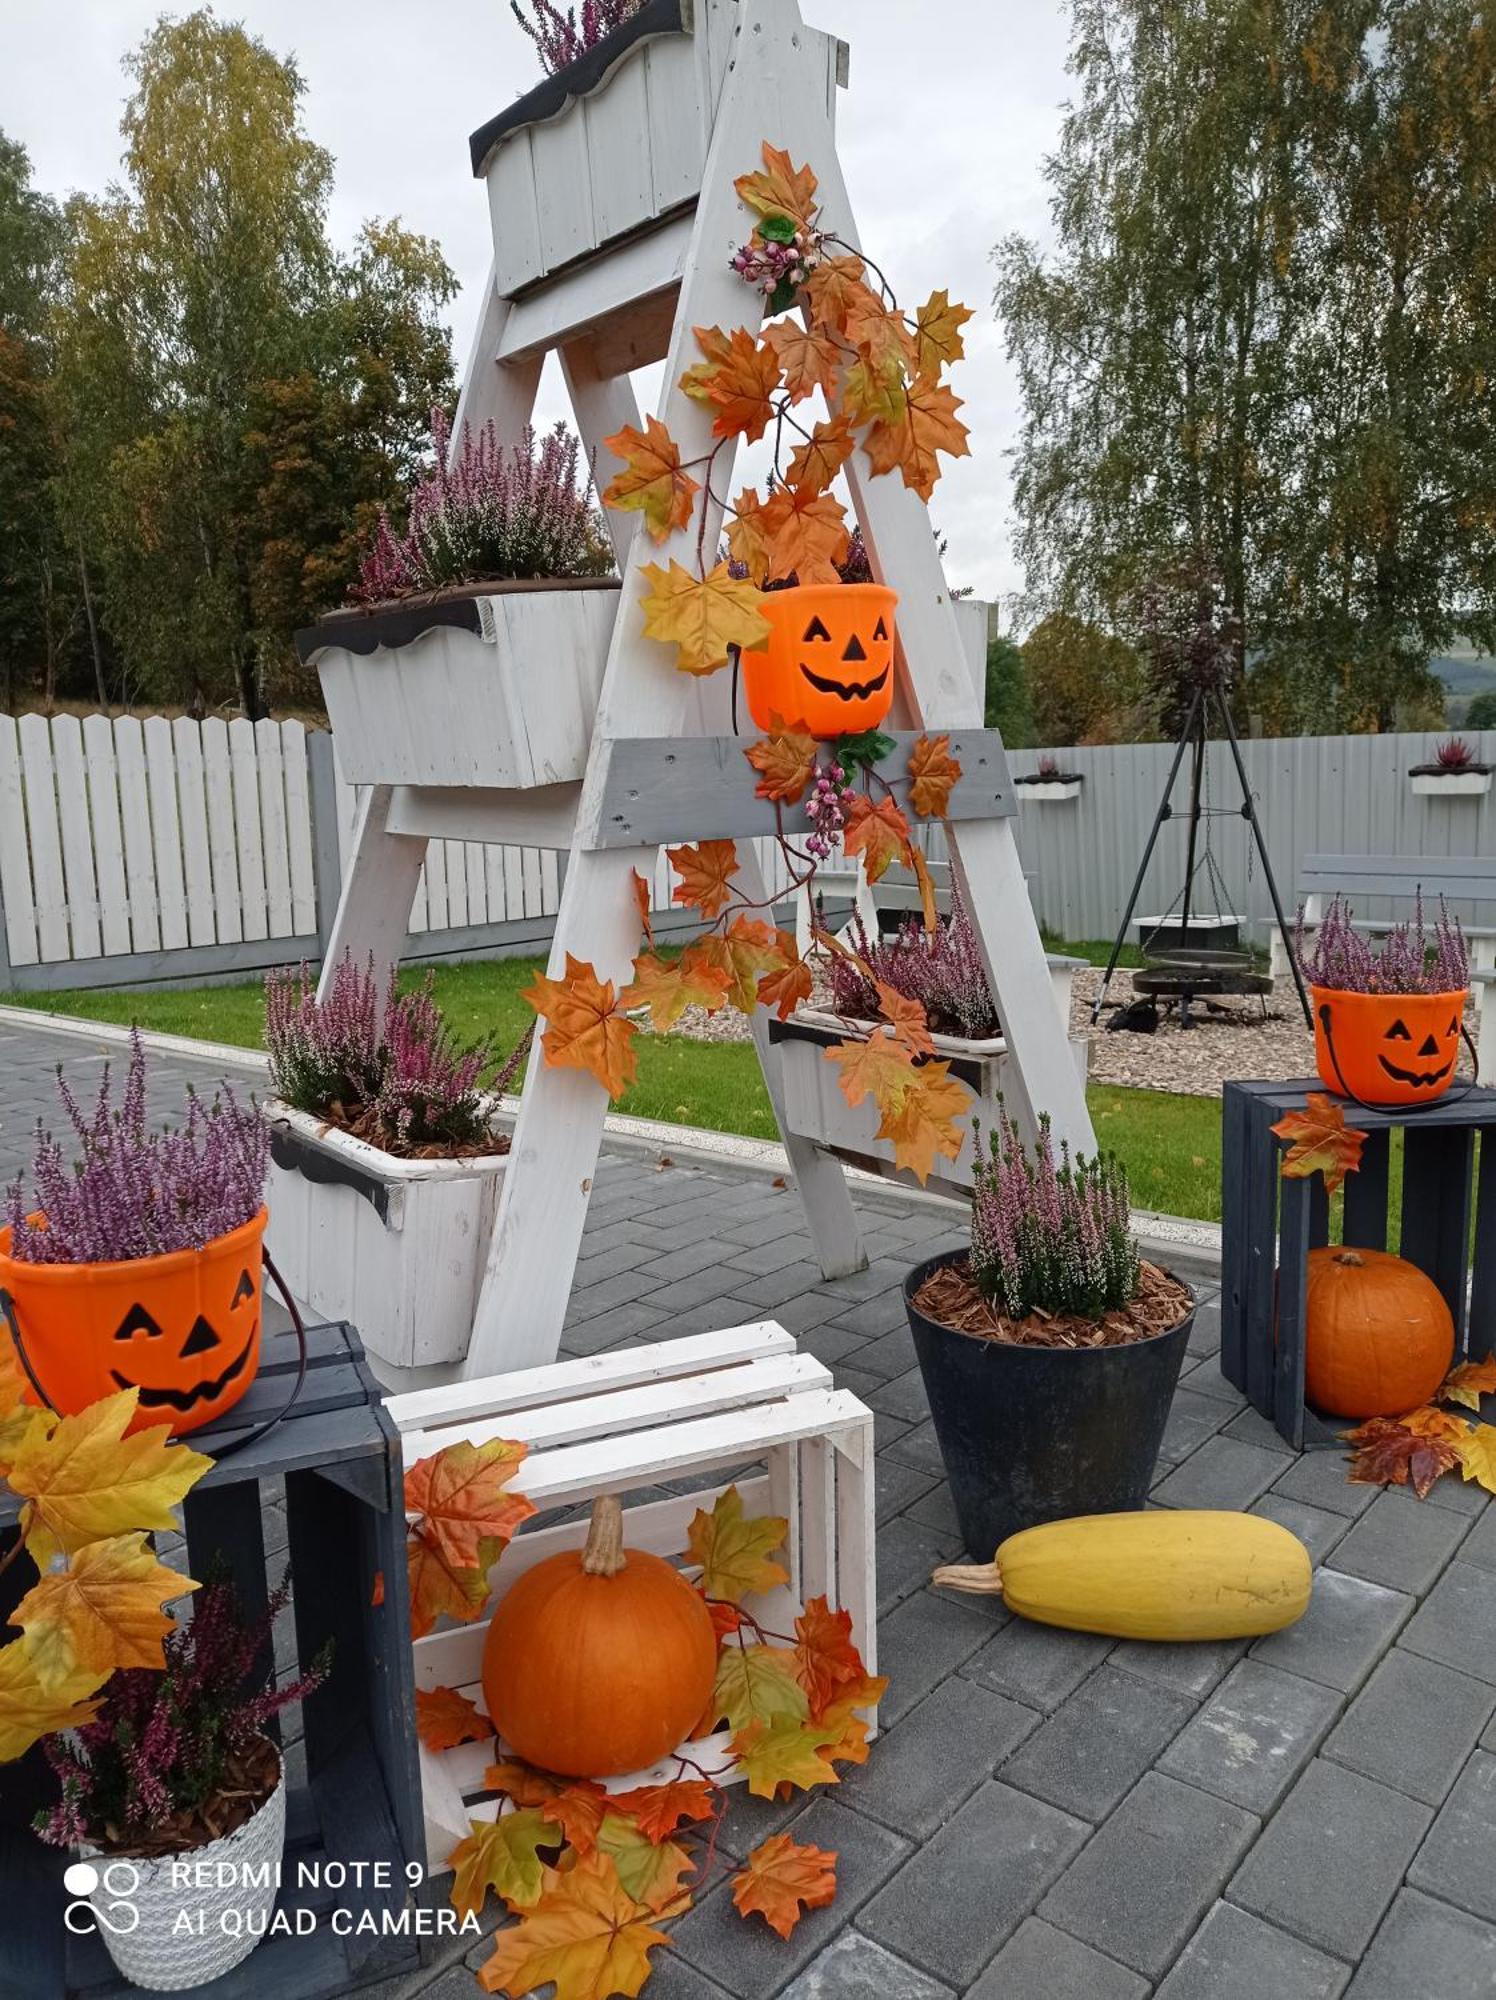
x,y
1387,1048
183,1329
827,666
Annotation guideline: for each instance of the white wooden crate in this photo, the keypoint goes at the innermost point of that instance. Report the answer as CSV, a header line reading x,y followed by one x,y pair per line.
x,y
711,1403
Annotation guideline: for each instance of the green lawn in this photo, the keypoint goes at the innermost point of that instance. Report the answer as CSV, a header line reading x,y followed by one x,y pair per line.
x,y
1171,1145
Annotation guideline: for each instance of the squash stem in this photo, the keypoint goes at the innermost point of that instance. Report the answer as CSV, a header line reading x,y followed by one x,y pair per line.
x,y
985,1579
604,1553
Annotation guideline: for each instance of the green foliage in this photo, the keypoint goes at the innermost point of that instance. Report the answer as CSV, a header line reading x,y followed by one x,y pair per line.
x,y
1086,685
1481,714
1008,706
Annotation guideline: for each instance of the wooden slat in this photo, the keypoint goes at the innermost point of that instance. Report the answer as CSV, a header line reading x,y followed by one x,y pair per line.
x,y
1288,1361
1438,1168
299,829
102,808
166,832
16,899
1364,1225
248,837
1482,1339
77,836
273,835
135,820
218,788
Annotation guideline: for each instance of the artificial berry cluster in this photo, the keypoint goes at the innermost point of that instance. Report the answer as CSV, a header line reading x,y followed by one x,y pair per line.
x,y
826,808
777,259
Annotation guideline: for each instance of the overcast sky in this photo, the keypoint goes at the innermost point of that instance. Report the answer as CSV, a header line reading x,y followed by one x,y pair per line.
x,y
952,107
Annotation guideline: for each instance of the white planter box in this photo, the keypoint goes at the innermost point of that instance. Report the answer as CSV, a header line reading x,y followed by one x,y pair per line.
x,y
1451,784
396,1246
1044,789
495,688
816,1107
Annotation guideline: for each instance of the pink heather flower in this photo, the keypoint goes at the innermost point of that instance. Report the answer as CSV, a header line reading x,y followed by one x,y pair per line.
x,y
1414,957
941,969
561,38
1055,1237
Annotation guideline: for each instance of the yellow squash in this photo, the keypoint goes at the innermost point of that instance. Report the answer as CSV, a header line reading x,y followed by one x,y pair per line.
x,y
1165,1574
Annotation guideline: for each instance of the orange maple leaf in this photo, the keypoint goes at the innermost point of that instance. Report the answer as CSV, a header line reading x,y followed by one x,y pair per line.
x,y
440,1588
877,331
879,833
657,1810
701,616
748,537
445,1718
922,1126
785,760
704,869
783,1877
737,380
781,189
834,289
644,897
826,1661
1469,1382
814,464
667,987
937,333
578,1811
523,1783
653,482
459,1494
102,1611
789,985
928,425
809,360
872,1066
807,534
584,1028
1322,1142
932,772
907,1019
586,1933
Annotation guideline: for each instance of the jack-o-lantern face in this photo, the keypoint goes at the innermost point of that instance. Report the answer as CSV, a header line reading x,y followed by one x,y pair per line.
x,y
827,666
1387,1048
190,1393
1432,1064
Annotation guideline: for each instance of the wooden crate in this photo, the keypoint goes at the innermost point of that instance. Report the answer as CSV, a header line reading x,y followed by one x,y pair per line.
x,y
741,1407
338,1456
1269,1226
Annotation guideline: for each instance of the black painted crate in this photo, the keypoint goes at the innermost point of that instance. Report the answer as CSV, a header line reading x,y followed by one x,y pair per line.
x,y
1269,1226
337,1457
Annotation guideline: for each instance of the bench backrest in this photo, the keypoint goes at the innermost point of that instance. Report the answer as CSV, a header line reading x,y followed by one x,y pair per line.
x,y
1458,876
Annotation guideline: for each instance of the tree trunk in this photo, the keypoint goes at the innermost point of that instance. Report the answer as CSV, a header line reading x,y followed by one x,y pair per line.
x,y
93,627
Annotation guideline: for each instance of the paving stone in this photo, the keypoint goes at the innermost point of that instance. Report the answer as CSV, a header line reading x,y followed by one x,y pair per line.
x,y
681,1295
926,1638
1427,1951
770,1255
937,1756
920,1448
1456,1623
1192,1419
1459,1495
748,1820
1252,1427
1253,1737
829,1344
1191,1670
872,1318
1413,1725
750,1960
671,1977
1332,1858
1038,1665
1223,1472
1236,1956
773,1288
907,1553
1319,1477
1479,1546
1142,1885
955,1902
936,1509
854,1968
1202,1377
882,1278
1316,1527
1455,1861
1040,1963
892,1355
618,1288
903,1397
1349,1625
1401,1543
1096,1746
897,1486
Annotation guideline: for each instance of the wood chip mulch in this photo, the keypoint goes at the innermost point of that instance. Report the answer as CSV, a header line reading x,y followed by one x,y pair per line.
x,y
249,1776
949,1297
363,1125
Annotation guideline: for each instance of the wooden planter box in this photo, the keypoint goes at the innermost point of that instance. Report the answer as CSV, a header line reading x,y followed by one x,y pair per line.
x,y
1450,784
1049,789
396,1246
520,667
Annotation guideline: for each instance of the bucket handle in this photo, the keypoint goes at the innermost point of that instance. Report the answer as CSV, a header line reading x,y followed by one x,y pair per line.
x,y
12,1320
1450,1096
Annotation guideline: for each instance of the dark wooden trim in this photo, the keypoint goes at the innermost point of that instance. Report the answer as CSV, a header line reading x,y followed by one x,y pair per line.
x,y
400,621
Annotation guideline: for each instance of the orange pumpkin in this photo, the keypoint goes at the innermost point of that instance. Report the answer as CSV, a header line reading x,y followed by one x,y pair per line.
x,y
1379,1335
183,1329
599,1660
1387,1048
827,666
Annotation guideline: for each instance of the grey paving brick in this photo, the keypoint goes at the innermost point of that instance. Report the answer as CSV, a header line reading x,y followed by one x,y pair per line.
x,y
1253,1737
920,1448
619,1288
873,1318
1192,1419
1427,1951
1142,1885
1222,1472
1456,1623
937,1756
1479,1546
604,1328
898,1486
924,1639
773,1288
1455,1860
1401,1542
1316,1527
936,1509
1236,1956
1332,1858
1040,1963
907,1553
1202,1377
1096,1745
671,1977
1349,1625
903,1397
1413,1725
883,1278
956,1901
771,1255
749,1821
678,1295
854,1968
1319,1477
1191,1670
1038,1665
1252,1427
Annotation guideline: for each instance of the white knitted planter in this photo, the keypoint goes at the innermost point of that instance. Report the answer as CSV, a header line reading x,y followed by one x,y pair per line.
x,y
227,1902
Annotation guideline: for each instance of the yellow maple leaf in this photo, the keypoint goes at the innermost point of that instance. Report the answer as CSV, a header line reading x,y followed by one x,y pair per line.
x,y
29,1710
1477,1453
749,537
1469,1382
84,1480
735,1552
928,425
737,382
702,616
651,1871
653,482
786,1752
749,949
586,1933
937,333
584,1028
501,1855
781,189
667,987
922,1127
757,1684
103,1611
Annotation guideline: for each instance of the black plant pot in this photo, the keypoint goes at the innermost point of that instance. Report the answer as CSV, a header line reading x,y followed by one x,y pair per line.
x,y
1034,1434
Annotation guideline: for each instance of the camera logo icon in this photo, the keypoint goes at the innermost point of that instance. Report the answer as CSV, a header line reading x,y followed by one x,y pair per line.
x,y
115,1911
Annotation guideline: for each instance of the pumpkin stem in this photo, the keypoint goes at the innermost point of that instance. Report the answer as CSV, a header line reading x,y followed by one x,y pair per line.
x,y
986,1579
604,1553
1350,1259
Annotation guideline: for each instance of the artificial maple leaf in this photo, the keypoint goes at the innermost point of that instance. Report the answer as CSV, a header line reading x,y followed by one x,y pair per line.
x,y
29,1711
439,1588
736,1554
877,331
650,1870
657,1810
781,189
928,425
586,1933
932,772
503,1855
922,1126
726,1618
1322,1142
785,1752
748,539
103,1611
1470,1381
1430,1421
851,1745
653,482
1477,1455
1390,1453
459,1494
781,1878
814,464
702,616
928,908
584,1027
937,333
875,394
667,987
523,1783
757,1684
737,381
644,897
17,1416
879,833
872,1066
445,1718
807,535
907,1020
705,869
785,760
747,949
578,1811
790,985
809,360
832,290
85,1480
826,1661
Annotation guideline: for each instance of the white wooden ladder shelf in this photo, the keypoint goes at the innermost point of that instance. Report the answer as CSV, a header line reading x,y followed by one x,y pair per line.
x,y
614,221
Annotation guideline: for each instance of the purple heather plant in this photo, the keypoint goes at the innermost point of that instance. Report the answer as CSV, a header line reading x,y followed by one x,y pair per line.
x,y
492,514
1415,957
1047,1234
134,1192
1049,766
561,38
389,1066
164,1745
942,969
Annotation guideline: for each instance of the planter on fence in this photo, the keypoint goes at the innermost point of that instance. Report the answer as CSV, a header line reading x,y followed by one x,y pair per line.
x,y
395,1245
1430,782
520,662
1043,786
